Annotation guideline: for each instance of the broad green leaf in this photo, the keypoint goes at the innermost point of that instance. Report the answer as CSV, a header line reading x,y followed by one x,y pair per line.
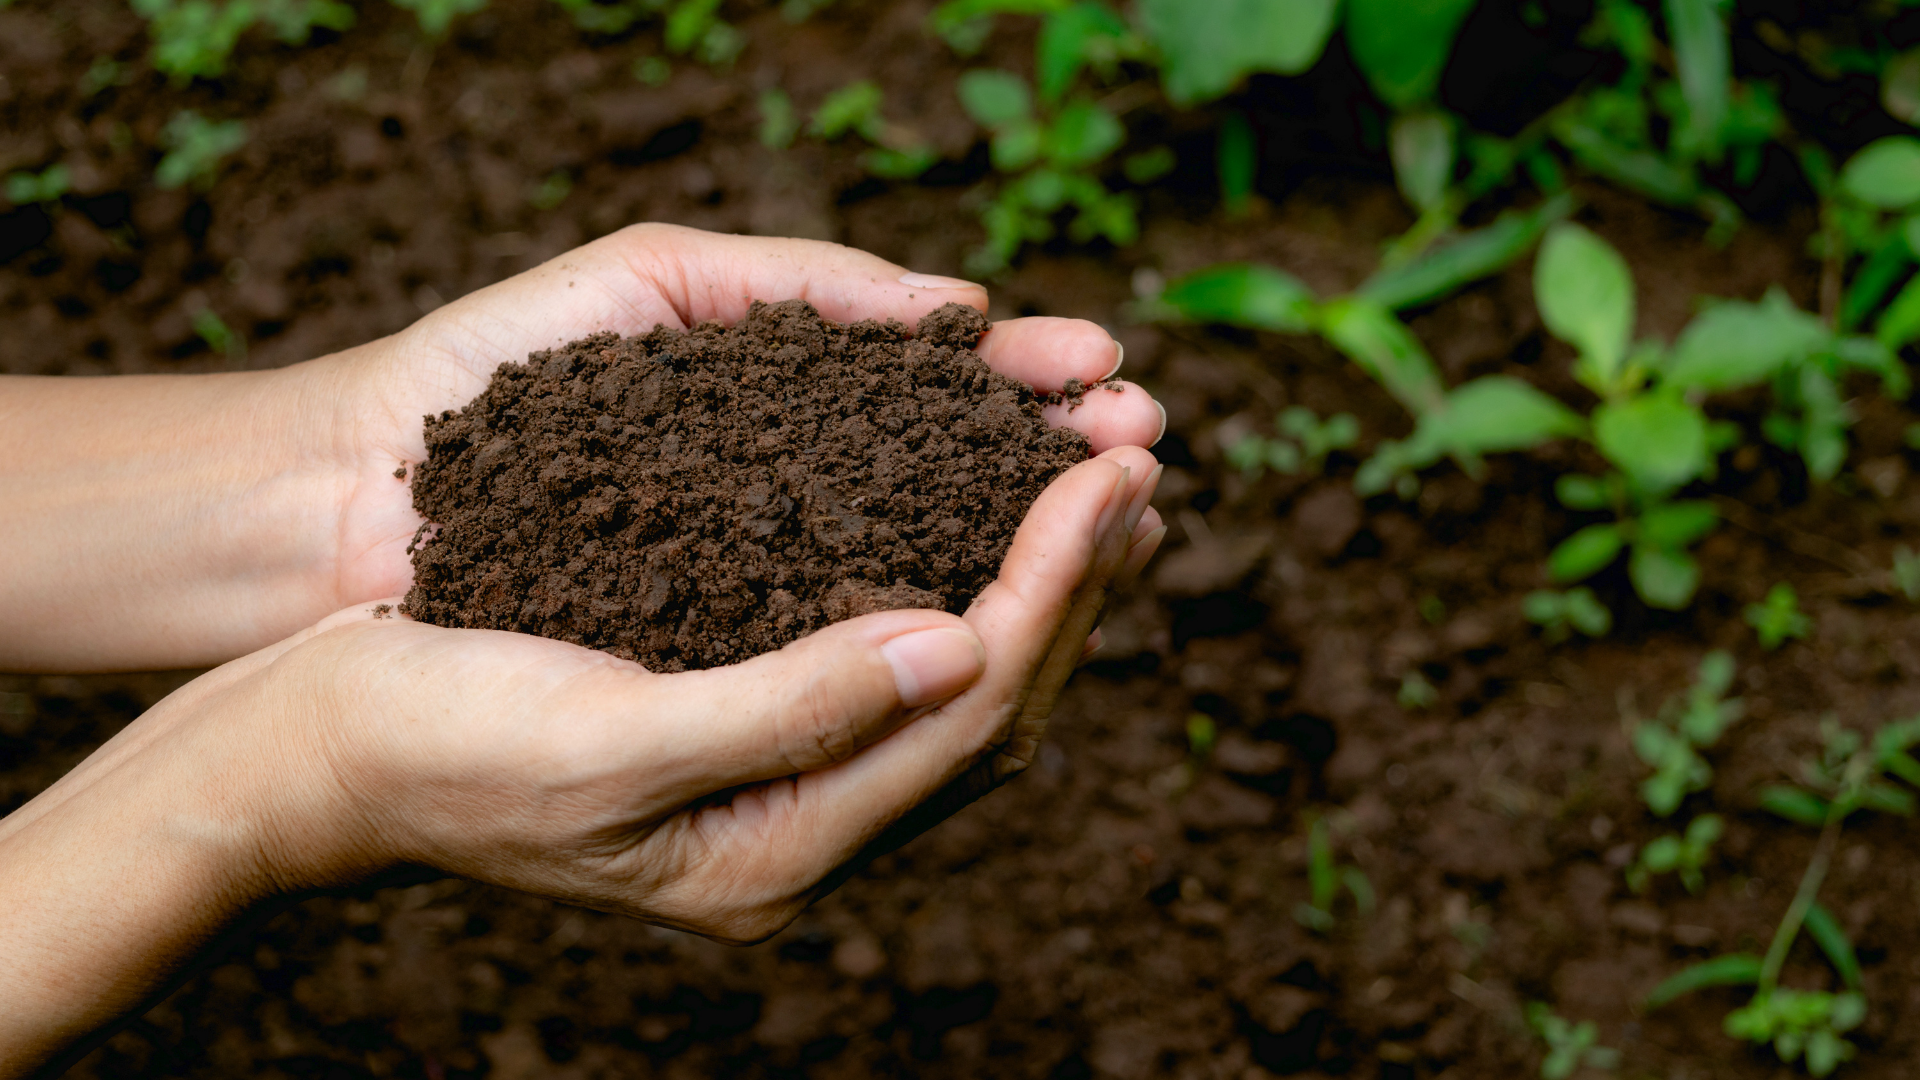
x,y
1702,55
1585,293
1825,931
1421,144
1386,350
1208,46
1663,578
1497,413
1464,260
1402,45
1585,553
1677,524
994,98
1658,440
1061,50
1242,294
1886,174
1736,344
1083,134
1899,325
1239,162
1798,805
1735,969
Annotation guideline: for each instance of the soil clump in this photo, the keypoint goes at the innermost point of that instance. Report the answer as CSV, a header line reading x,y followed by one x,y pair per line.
x,y
689,499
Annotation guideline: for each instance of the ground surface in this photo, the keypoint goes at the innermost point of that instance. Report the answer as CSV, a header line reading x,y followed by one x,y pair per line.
x,y
1122,911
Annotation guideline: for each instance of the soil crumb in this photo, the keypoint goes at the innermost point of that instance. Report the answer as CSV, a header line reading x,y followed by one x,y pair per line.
x,y
688,499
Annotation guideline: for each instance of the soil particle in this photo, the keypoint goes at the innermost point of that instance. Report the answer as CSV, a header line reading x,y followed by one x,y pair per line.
x,y
688,499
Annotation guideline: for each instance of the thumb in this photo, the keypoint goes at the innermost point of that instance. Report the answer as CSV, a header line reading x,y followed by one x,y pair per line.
x,y
823,698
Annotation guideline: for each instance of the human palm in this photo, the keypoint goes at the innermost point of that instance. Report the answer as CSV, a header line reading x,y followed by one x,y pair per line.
x,y
628,283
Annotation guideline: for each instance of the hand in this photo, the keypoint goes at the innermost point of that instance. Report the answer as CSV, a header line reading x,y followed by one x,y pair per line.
x,y
719,801
629,282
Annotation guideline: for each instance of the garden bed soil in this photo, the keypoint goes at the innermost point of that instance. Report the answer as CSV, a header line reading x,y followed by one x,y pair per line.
x,y
1125,909
694,499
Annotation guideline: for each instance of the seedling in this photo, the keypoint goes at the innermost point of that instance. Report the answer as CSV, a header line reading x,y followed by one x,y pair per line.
x,y
1416,692
1569,1045
898,153
1671,743
220,337
551,191
436,16
1559,614
1201,735
1778,617
46,186
1685,855
195,147
695,26
779,122
1304,443
1325,879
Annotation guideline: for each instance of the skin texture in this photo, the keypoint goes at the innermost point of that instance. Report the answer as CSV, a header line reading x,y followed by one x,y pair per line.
x,y
185,521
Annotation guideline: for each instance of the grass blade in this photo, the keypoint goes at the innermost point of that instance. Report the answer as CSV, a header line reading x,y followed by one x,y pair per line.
x,y
1734,969
1825,931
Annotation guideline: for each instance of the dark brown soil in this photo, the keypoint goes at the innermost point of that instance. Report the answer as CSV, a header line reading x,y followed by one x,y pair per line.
x,y
1124,910
692,499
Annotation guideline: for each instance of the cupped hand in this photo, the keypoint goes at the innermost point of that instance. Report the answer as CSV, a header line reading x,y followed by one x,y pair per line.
x,y
630,282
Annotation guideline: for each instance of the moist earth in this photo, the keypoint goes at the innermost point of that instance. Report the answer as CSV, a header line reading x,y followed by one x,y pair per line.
x,y
689,499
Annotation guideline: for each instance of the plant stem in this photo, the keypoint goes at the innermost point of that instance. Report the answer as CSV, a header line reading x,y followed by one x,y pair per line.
x,y
1810,882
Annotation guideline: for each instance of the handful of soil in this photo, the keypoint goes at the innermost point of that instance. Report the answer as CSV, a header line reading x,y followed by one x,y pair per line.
x,y
688,499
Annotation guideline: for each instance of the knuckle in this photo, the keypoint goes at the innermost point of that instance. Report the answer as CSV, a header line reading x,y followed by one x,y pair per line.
x,y
816,727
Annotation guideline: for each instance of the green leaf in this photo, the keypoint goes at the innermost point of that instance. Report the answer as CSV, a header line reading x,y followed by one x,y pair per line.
x,y
1239,162
1497,413
1825,931
1798,805
1663,578
1677,524
1886,174
850,108
1658,440
1083,134
1462,261
995,99
1421,144
1637,170
1587,614
1735,969
1577,492
1544,606
1735,344
1402,45
1386,350
1242,294
1585,293
1899,325
1149,165
1702,55
1061,50
1208,46
1018,146
1585,553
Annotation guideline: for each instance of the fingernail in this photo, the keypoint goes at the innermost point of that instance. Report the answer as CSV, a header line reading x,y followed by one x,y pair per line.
x,y
1119,357
1137,558
1094,643
1163,425
1142,497
935,281
1116,504
933,665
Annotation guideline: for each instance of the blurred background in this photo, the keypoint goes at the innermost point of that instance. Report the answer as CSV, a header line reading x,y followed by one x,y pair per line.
x,y
1537,612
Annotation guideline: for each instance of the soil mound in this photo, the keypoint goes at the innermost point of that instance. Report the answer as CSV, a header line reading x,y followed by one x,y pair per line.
x,y
689,499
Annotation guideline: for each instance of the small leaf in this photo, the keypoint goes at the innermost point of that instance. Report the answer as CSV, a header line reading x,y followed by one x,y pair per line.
x,y
1208,46
1242,294
1826,933
850,108
1798,805
1664,579
1733,345
1658,440
994,98
1083,134
1585,553
1587,614
1239,162
1497,413
1386,350
1677,524
1585,293
1900,87
1466,259
1735,969
1421,145
1061,50
1544,606
1402,45
1886,174
1702,55
1577,492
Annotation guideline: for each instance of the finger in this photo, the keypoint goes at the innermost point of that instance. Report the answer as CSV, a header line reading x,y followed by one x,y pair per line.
x,y
1045,352
1117,414
816,702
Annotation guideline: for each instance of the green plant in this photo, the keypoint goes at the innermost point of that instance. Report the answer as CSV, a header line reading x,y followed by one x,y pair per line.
x,y
219,337
1685,854
552,190
1906,572
195,38
1569,1045
1778,617
1559,614
45,186
195,147
898,152
1303,444
1671,742
436,16
1416,692
1325,879
779,122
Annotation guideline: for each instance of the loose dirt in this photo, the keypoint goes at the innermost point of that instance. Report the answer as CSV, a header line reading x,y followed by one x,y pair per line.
x,y
691,499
